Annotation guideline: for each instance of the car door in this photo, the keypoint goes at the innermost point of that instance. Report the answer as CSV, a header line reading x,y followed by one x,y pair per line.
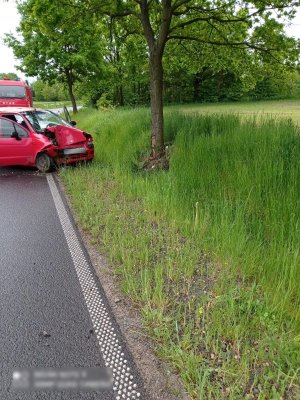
x,y
15,144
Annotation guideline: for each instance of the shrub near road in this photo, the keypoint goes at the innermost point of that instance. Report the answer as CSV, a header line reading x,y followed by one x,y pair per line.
x,y
208,251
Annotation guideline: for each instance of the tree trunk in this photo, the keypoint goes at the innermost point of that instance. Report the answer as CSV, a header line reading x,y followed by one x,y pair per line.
x,y
70,90
156,100
156,45
72,98
121,95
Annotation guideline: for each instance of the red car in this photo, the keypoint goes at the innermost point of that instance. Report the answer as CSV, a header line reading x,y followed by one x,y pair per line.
x,y
40,138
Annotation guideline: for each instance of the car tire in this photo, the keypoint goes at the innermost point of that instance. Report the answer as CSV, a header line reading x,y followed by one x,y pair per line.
x,y
43,162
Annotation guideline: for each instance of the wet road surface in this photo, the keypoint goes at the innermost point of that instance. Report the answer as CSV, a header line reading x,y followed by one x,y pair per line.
x,y
53,312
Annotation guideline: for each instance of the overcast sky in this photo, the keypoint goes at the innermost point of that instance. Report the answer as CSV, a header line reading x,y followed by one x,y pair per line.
x,y
9,20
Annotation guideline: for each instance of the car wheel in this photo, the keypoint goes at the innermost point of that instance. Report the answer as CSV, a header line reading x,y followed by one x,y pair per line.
x,y
43,162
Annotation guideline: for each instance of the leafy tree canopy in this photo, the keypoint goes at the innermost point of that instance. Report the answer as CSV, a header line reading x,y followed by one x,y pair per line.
x,y
55,43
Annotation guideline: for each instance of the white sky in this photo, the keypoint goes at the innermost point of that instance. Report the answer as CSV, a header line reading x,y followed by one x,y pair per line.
x,y
9,20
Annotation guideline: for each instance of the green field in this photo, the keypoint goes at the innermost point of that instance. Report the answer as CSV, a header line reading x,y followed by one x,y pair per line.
x,y
209,250
275,109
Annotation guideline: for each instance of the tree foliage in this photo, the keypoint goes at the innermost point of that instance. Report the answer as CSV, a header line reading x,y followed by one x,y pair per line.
x,y
248,26
45,92
55,43
143,50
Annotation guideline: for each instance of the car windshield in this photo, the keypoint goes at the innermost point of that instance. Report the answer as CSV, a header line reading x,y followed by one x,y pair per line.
x,y
12,92
43,119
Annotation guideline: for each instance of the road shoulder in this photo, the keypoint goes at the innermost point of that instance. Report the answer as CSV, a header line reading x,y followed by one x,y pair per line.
x,y
160,383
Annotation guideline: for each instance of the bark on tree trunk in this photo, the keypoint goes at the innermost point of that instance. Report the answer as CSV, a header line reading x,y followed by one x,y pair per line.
x,y
156,100
72,98
156,45
70,90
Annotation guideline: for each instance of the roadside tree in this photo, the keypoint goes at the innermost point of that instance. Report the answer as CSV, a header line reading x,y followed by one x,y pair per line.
x,y
56,44
249,25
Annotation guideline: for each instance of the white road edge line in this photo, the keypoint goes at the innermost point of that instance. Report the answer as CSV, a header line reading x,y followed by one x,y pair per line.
x,y
111,350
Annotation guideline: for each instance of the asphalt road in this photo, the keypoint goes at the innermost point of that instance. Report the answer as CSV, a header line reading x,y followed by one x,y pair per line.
x,y
53,312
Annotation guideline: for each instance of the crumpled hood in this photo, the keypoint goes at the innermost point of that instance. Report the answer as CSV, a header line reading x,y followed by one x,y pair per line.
x,y
66,136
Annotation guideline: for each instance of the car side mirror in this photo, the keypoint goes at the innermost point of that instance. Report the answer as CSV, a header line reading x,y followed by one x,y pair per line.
x,y
15,135
73,123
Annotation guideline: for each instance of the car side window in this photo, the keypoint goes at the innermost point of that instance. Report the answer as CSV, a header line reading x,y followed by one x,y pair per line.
x,y
10,116
20,120
21,132
16,118
6,128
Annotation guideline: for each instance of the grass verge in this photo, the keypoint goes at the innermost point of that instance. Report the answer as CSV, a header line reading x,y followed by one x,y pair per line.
x,y
209,251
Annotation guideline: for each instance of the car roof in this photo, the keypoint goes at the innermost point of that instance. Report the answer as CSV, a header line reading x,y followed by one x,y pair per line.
x,y
13,110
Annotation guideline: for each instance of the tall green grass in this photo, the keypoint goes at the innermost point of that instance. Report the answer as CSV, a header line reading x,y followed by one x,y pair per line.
x,y
209,249
235,185
238,187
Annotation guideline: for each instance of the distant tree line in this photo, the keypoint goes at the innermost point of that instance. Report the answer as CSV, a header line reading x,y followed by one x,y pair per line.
x,y
45,92
205,86
10,75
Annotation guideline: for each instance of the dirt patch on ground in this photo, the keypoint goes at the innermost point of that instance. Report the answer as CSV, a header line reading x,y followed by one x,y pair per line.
x,y
160,383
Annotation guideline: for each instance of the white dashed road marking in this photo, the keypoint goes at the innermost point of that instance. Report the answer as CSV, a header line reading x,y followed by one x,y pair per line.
x,y
112,352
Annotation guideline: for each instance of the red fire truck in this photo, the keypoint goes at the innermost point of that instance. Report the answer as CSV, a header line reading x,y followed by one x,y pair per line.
x,y
15,93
